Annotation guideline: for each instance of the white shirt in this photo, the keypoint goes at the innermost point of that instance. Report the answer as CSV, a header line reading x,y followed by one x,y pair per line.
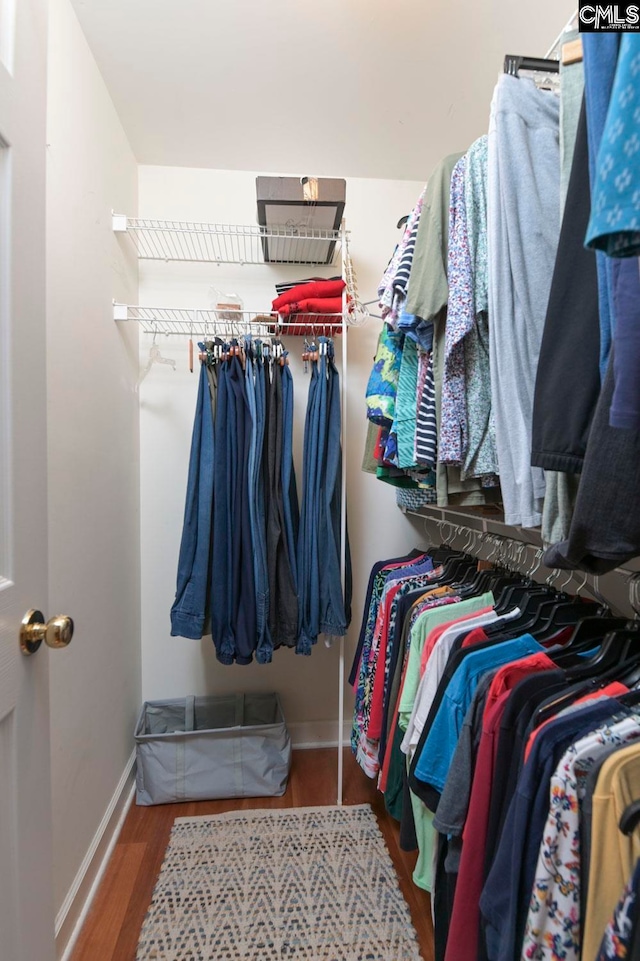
x,y
434,671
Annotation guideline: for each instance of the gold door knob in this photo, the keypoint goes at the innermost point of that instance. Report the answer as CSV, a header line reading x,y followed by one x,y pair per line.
x,y
56,632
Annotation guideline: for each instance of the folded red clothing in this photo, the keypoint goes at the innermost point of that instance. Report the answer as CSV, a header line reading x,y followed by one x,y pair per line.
x,y
319,288
314,305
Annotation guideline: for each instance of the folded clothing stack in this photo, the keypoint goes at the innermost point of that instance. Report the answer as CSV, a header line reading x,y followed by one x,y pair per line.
x,y
315,297
284,285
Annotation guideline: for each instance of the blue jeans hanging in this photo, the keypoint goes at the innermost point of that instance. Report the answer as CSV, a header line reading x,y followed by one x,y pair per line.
x,y
319,544
333,617
243,616
222,561
289,486
189,608
264,644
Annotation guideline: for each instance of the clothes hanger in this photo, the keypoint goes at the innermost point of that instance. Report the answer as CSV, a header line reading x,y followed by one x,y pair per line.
x,y
467,581
617,658
546,615
450,555
545,73
456,563
567,611
594,626
616,647
530,606
630,818
527,587
468,572
492,579
507,573
155,357
619,644
618,653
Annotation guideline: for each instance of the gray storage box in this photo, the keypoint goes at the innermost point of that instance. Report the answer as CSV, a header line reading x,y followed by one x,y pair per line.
x,y
300,203
202,748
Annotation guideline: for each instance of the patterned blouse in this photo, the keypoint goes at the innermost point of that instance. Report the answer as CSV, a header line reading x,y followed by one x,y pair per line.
x,y
618,933
553,930
382,388
460,319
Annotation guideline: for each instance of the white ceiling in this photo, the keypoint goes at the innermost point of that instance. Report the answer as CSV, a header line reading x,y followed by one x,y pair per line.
x,y
360,88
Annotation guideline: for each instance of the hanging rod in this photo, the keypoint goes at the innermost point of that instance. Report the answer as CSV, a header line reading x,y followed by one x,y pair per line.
x,y
230,243
226,323
490,522
511,552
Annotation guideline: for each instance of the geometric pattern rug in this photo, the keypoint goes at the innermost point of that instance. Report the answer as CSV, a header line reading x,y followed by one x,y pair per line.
x,y
307,884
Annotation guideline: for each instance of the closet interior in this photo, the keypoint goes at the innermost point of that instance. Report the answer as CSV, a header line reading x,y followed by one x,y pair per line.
x,y
375,457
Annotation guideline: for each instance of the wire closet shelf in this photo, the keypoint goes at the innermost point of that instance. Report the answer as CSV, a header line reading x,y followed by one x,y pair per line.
x,y
186,321
230,243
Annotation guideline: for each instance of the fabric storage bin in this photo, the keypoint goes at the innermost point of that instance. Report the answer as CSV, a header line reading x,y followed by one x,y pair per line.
x,y
202,748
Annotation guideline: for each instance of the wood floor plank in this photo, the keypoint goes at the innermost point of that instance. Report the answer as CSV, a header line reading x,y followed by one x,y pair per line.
x,y
113,925
113,902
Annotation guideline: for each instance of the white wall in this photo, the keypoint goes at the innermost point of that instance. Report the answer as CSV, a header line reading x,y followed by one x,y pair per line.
x,y
93,447
173,667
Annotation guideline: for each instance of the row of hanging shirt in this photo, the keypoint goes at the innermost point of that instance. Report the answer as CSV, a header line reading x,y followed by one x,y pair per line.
x,y
507,368
257,570
502,719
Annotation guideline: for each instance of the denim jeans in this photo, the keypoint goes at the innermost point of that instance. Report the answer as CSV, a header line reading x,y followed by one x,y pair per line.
x,y
243,618
264,644
289,485
322,608
190,605
222,560
319,467
333,617
283,611
307,544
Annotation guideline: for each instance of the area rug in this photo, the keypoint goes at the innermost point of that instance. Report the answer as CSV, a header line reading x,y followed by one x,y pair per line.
x,y
311,884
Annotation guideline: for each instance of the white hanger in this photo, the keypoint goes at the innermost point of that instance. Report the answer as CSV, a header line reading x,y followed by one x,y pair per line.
x,y
155,357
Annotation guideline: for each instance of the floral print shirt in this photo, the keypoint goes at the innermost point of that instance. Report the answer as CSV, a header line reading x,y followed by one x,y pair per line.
x,y
617,936
466,432
553,930
364,683
460,319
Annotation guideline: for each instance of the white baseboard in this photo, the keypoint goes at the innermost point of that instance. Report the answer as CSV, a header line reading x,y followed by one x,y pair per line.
x,y
306,735
74,910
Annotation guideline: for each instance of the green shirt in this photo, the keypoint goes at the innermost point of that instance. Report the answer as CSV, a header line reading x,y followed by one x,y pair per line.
x,y
421,630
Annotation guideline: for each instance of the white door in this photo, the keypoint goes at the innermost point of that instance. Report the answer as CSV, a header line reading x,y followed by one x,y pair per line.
x,y
26,899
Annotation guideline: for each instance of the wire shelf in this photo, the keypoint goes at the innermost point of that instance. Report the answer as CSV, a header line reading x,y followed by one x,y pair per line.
x,y
230,243
186,321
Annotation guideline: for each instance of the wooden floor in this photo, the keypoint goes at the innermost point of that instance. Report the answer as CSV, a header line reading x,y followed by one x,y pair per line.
x,y
113,925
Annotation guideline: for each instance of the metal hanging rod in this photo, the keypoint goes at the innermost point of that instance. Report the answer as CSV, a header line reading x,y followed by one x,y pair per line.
x,y
230,243
513,554
226,323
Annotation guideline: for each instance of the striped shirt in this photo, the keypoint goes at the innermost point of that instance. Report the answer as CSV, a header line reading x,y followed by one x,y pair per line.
x,y
426,430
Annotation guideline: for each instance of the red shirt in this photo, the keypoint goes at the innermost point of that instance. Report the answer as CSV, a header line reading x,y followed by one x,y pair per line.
x,y
462,943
